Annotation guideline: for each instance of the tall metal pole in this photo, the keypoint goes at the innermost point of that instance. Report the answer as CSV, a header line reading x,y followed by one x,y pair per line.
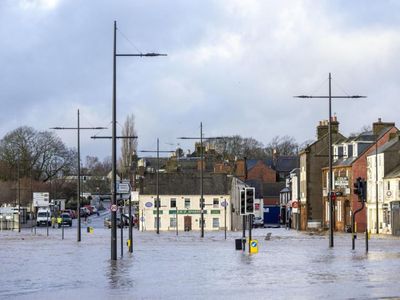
x,y
331,212
114,152
330,97
176,218
79,184
376,183
157,189
19,195
130,225
201,180
226,203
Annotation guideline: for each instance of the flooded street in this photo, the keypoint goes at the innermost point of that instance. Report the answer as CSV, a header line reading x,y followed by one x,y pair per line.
x,y
289,265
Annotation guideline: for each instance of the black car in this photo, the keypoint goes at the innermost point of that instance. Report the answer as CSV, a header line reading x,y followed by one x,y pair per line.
x,y
65,220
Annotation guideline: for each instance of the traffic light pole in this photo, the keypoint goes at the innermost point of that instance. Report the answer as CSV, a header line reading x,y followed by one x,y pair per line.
x,y
353,225
250,227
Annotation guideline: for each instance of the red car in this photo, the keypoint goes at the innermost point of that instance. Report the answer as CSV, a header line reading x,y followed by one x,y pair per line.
x,y
71,213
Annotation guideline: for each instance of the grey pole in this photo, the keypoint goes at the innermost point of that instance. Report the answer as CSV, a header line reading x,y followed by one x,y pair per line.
x,y
79,184
376,184
114,152
157,187
331,211
330,97
226,203
130,225
201,180
176,217
19,195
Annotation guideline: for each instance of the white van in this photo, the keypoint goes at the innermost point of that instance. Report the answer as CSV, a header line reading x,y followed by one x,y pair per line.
x,y
43,217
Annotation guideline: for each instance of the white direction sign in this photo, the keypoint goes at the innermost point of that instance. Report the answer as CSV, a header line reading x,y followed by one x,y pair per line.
x,y
123,187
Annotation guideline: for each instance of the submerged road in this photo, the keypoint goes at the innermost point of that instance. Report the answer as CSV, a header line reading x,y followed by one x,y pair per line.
x,y
291,265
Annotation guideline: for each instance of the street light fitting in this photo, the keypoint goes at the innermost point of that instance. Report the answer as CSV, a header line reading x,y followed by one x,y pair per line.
x,y
151,54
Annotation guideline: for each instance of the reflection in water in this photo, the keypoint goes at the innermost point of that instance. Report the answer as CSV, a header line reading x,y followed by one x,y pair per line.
x,y
118,274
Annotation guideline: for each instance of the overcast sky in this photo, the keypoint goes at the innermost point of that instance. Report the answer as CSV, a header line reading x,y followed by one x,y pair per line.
x,y
234,65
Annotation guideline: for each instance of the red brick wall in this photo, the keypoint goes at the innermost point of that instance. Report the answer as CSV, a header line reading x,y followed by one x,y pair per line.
x,y
359,169
271,201
262,172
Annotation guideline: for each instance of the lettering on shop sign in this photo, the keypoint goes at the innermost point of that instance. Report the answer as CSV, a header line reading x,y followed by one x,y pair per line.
x,y
187,212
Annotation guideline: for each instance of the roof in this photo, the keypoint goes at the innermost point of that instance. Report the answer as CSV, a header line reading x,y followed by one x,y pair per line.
x,y
266,190
187,184
280,164
393,174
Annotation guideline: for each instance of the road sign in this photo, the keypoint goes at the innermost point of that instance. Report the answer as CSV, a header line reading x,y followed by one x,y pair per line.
x,y
148,204
254,246
224,203
114,207
123,187
142,219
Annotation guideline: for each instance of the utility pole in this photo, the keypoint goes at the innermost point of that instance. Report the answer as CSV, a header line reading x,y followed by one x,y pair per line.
x,y
78,128
202,205
114,138
158,180
330,97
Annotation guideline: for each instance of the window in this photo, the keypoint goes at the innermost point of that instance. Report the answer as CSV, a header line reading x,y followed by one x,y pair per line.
x,y
215,222
173,202
187,203
172,222
155,222
388,186
159,202
215,203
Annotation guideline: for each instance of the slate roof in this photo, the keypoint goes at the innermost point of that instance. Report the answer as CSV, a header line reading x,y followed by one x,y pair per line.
x,y
281,164
393,174
187,184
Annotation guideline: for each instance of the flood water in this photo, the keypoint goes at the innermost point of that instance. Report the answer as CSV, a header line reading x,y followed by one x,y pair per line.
x,y
291,265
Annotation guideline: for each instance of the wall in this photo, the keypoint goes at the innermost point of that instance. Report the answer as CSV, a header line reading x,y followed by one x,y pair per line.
x,y
167,212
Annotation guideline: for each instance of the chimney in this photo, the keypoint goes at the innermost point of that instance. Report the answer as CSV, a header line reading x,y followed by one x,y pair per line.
x,y
322,129
377,127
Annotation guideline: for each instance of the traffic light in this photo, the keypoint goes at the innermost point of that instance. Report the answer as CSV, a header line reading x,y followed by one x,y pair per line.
x,y
357,187
242,202
249,200
363,194
360,189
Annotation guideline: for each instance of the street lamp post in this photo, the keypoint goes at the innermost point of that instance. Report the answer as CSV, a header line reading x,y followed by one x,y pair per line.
x,y
202,205
158,151
78,128
330,97
114,137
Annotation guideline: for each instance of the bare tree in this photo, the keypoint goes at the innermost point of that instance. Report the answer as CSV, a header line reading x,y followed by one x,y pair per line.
x,y
40,155
129,146
285,145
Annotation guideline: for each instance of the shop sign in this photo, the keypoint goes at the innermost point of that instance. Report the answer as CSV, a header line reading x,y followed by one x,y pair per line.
x,y
342,182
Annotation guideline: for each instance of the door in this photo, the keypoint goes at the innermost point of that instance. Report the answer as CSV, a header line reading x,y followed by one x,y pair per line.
x,y
187,221
347,216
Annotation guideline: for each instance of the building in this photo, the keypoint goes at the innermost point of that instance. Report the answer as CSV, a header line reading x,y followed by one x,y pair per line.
x,y
382,185
179,195
391,203
312,159
350,163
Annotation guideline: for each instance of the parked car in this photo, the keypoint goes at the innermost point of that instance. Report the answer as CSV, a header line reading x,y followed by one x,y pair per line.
x,y
43,217
70,212
65,220
85,211
89,208
258,222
